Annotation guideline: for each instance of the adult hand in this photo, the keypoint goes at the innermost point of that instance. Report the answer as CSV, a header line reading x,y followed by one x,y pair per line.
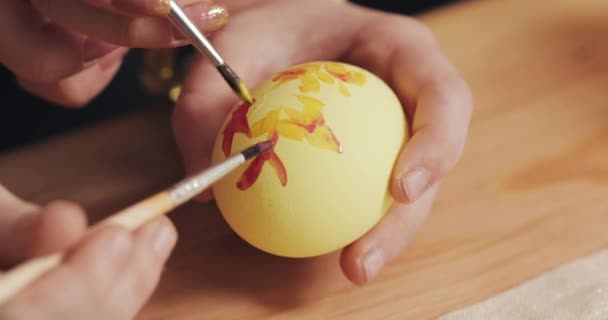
x,y
67,51
399,49
108,274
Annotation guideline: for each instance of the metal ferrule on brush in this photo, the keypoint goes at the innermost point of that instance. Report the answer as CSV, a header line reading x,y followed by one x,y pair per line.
x,y
192,186
200,42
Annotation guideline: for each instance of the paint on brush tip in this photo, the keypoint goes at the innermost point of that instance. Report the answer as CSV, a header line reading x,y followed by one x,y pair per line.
x,y
244,92
235,82
257,149
265,146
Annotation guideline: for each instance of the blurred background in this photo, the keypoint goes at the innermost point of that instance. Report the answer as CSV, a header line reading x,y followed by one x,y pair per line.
x,y
144,81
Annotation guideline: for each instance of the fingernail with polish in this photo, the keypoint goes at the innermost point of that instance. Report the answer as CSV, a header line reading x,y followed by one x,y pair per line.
x,y
208,17
373,261
414,183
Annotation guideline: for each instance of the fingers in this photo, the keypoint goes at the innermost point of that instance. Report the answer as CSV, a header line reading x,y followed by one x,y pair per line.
x,y
55,227
439,130
152,247
363,260
438,105
437,100
79,89
43,52
109,275
70,68
130,31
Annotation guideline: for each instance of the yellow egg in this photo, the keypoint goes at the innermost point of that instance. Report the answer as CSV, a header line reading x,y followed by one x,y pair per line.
x,y
337,131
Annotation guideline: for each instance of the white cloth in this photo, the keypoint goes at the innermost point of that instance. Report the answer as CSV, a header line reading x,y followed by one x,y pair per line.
x,y
575,291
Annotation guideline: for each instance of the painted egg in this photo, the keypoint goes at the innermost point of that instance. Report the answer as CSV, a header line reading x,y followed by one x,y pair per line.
x,y
337,130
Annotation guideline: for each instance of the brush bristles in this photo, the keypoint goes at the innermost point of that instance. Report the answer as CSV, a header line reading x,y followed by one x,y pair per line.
x,y
235,82
257,149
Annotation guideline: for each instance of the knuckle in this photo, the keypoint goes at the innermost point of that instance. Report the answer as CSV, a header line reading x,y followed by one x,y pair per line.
x,y
414,28
443,155
451,155
420,29
462,90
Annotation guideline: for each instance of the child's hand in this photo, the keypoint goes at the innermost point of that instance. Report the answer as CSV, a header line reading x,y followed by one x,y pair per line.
x,y
108,274
276,34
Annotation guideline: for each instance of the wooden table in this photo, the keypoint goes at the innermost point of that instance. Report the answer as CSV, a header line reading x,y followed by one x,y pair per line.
x,y
530,193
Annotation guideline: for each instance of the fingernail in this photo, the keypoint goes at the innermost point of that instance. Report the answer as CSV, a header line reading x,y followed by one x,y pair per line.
x,y
162,7
120,243
414,183
95,49
217,16
373,262
214,17
164,240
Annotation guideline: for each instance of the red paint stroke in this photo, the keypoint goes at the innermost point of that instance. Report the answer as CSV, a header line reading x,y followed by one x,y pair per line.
x,y
237,124
254,169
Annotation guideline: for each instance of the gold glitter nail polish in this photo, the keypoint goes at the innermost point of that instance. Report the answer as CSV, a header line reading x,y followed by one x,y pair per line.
x,y
163,7
217,16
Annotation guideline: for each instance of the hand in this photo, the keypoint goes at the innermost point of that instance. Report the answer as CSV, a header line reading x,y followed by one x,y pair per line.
x,y
278,34
108,274
67,51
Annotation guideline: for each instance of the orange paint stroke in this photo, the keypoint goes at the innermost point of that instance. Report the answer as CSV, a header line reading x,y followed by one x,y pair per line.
x,y
310,125
340,72
311,76
288,75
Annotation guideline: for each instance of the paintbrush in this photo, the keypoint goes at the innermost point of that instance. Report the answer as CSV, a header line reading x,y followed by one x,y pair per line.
x,y
16,279
200,42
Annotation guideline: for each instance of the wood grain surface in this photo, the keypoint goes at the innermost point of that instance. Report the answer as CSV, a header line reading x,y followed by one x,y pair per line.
x,y
530,193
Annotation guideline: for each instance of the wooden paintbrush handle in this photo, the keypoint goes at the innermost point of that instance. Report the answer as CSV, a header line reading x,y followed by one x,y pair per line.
x,y
142,212
130,218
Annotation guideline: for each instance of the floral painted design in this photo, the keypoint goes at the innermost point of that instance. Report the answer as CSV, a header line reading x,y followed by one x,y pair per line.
x,y
308,125
312,75
251,174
